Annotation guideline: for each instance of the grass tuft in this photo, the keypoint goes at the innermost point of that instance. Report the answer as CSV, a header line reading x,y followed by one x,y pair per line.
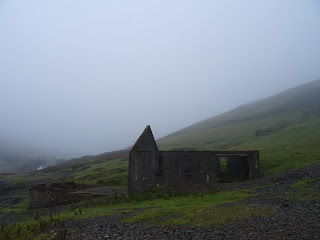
x,y
304,182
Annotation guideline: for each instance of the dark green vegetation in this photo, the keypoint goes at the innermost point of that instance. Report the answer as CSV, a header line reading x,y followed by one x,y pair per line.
x,y
110,173
97,172
305,190
284,127
197,209
162,209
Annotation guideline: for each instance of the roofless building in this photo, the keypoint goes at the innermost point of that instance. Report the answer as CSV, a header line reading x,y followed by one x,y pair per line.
x,y
149,167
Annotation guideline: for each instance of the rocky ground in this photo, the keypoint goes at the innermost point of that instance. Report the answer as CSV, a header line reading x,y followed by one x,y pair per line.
x,y
293,215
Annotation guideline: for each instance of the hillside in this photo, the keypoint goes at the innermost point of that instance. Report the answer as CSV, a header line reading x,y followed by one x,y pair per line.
x,y
17,158
284,127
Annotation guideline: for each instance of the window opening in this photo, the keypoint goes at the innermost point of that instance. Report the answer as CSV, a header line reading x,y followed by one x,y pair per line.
x,y
188,165
159,164
223,165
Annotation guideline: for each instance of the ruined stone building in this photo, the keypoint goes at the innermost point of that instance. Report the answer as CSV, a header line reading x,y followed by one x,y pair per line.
x,y
149,167
56,194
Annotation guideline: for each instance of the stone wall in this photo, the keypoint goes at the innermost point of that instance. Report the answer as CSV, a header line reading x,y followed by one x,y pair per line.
x,y
149,169
178,168
56,194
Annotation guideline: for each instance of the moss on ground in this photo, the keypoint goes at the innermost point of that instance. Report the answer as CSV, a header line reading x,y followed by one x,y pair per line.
x,y
303,190
188,209
218,215
304,182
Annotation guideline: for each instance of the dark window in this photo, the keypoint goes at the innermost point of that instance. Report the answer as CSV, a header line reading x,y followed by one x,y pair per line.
x,y
159,164
188,165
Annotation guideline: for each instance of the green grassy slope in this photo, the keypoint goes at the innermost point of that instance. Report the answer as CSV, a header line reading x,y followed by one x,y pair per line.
x,y
110,173
290,121
97,172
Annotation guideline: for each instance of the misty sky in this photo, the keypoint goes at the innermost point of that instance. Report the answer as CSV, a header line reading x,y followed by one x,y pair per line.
x,y
87,76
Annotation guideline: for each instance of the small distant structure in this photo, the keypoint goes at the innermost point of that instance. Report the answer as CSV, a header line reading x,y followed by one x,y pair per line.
x,y
40,167
149,167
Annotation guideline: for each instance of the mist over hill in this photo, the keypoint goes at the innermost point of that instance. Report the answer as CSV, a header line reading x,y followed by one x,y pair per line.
x,y
22,158
304,99
284,127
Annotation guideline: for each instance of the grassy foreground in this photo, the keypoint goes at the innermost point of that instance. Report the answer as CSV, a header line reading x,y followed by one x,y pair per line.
x,y
194,209
163,207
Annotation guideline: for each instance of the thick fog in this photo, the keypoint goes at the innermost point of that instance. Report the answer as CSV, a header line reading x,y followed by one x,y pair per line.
x,y
86,77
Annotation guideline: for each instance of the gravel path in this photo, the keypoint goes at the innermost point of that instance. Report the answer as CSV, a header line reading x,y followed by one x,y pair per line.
x,y
288,219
